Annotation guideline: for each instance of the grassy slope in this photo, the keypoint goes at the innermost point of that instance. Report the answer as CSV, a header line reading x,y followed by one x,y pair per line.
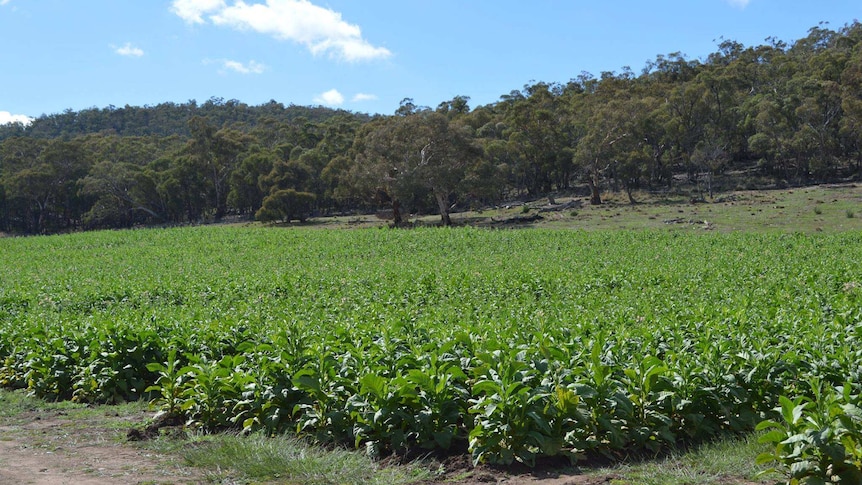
x,y
825,208
812,209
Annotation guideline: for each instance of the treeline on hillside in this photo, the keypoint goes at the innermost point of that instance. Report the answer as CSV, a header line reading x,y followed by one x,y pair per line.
x,y
793,112
164,119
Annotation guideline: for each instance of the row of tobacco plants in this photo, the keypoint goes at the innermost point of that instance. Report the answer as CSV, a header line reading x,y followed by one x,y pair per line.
x,y
515,345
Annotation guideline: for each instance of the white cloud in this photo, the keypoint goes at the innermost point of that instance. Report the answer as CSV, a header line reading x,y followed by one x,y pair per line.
x,y
330,98
364,97
253,67
4,2
7,117
128,50
319,29
741,4
192,11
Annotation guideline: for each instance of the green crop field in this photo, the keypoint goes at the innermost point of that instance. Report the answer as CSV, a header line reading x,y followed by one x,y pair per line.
x,y
512,344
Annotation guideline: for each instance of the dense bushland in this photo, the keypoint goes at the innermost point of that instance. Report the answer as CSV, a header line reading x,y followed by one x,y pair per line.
x,y
780,113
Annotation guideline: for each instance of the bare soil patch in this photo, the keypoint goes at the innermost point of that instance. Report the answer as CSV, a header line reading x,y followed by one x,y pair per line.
x,y
56,447
459,470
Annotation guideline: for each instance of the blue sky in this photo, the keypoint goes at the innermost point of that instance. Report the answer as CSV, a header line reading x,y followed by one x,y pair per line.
x,y
360,55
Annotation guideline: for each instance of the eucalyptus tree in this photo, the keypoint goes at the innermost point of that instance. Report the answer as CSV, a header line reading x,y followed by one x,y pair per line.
x,y
418,150
850,130
457,106
536,126
118,181
246,182
607,119
211,155
40,183
124,193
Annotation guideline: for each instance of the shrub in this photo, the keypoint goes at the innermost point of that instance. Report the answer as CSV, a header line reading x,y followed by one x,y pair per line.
x,y
286,205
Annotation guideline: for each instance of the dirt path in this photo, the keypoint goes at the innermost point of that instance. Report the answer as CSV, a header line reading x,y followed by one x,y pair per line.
x,y
54,448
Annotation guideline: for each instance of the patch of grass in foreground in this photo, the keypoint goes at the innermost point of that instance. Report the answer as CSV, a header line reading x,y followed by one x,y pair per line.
x,y
731,460
13,403
286,459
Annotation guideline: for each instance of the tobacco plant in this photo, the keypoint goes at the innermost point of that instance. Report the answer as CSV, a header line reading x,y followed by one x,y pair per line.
x,y
819,440
517,345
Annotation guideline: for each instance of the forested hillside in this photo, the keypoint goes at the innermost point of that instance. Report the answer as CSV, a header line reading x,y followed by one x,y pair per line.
x,y
164,119
791,112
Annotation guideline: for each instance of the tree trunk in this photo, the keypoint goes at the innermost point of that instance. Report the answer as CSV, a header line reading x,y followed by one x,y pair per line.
x,y
592,181
709,184
396,213
444,208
